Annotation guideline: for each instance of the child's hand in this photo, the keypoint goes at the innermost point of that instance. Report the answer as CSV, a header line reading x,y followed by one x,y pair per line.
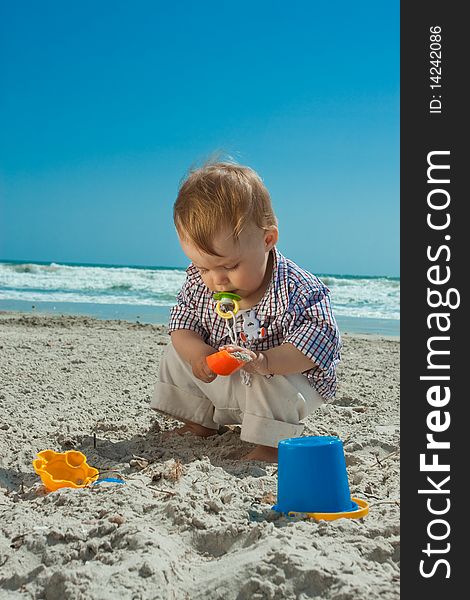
x,y
258,363
201,369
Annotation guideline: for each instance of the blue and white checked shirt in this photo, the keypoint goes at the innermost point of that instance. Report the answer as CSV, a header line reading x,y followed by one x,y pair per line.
x,y
295,309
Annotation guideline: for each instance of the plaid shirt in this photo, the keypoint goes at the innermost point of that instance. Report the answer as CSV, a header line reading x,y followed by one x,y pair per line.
x,y
295,309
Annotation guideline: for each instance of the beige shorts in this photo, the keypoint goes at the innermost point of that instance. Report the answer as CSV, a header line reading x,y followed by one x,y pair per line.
x,y
269,410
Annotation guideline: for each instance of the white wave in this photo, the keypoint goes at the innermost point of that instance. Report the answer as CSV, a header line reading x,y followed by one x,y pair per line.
x,y
360,312
361,297
80,298
368,297
89,279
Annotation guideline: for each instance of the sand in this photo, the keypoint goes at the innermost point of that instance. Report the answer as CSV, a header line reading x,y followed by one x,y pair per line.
x,y
192,520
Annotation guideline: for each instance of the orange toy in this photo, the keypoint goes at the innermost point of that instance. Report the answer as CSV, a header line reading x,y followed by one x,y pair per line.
x,y
225,363
64,469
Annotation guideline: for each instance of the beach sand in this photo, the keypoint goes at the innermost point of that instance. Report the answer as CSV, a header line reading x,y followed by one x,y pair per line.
x,y
192,520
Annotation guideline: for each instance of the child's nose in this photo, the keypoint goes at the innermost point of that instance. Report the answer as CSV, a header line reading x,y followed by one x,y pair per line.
x,y
221,279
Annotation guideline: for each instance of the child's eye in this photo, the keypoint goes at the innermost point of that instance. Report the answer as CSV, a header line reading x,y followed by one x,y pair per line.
x,y
233,268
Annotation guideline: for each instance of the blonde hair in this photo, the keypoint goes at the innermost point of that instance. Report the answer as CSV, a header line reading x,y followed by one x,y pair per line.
x,y
220,195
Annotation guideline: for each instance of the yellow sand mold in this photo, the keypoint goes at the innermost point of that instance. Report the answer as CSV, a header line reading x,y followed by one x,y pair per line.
x,y
64,469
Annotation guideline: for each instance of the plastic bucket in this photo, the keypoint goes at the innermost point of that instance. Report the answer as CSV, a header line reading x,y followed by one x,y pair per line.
x,y
312,476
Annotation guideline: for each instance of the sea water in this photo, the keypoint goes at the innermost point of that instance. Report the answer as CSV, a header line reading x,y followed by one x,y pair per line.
x,y
146,294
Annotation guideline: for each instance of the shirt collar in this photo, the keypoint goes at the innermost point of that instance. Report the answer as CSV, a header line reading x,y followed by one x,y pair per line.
x,y
276,298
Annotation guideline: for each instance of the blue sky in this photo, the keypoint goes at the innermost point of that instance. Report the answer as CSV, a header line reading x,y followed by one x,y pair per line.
x,y
105,106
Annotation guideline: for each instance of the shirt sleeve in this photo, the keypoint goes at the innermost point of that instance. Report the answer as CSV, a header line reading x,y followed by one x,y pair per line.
x,y
312,329
186,312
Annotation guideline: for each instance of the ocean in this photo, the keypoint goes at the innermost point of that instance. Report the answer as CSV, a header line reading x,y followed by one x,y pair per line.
x,y
146,294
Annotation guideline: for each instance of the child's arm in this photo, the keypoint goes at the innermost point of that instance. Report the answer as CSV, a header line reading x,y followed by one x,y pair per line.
x,y
282,360
191,347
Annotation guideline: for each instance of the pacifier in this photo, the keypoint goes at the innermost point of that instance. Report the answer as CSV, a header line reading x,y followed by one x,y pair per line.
x,y
224,362
227,304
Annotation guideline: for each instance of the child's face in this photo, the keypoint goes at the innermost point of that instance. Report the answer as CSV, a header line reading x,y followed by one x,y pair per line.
x,y
241,269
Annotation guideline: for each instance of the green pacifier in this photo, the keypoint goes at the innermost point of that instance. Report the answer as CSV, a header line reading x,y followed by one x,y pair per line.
x,y
227,304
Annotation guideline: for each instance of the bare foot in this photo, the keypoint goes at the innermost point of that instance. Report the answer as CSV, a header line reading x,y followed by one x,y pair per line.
x,y
264,453
190,427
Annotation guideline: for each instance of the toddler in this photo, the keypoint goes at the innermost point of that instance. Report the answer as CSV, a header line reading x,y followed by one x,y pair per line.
x,y
227,228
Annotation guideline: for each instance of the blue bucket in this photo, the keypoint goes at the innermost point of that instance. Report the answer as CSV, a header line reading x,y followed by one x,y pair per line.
x,y
312,476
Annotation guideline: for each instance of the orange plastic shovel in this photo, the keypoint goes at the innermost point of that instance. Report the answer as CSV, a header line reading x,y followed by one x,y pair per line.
x,y
226,363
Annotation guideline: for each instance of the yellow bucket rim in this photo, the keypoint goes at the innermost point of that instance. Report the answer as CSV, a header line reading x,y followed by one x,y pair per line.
x,y
362,511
